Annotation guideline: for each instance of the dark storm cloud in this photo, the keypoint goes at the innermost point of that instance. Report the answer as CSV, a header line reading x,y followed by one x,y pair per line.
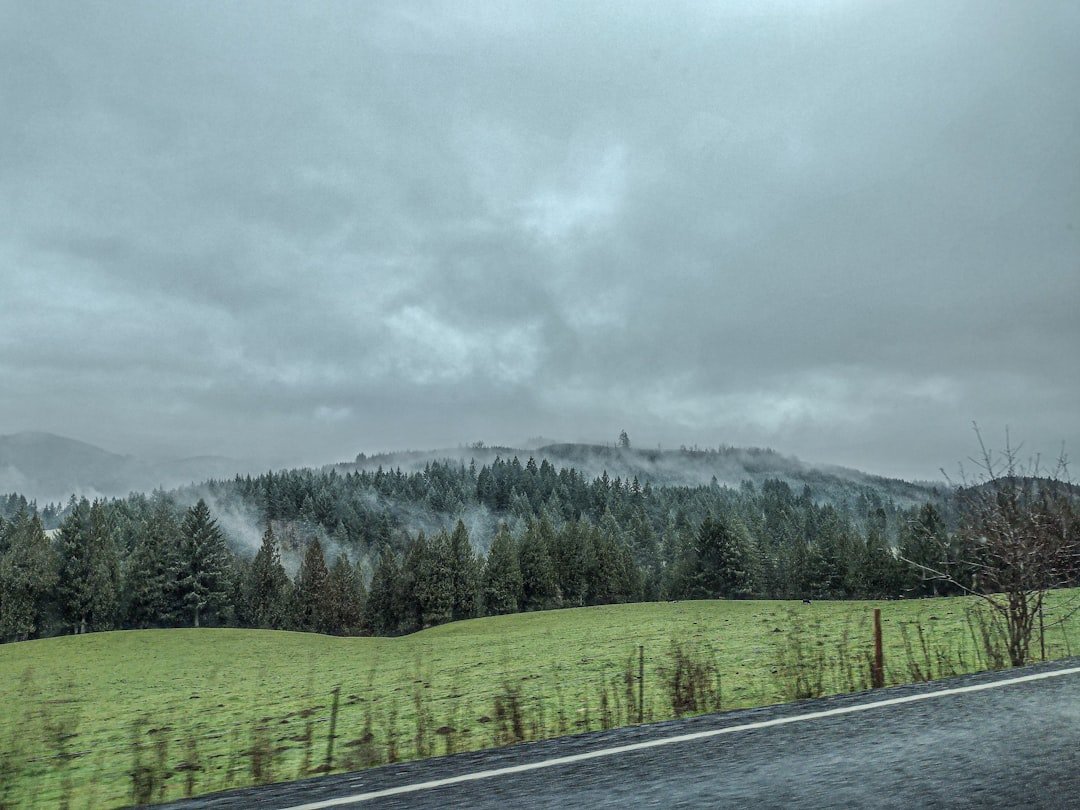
x,y
302,230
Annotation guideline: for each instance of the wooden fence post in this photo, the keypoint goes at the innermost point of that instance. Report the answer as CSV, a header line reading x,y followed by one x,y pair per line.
x,y
333,730
641,684
1042,633
877,671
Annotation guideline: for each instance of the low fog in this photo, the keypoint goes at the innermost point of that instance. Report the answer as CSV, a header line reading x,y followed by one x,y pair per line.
x,y
294,232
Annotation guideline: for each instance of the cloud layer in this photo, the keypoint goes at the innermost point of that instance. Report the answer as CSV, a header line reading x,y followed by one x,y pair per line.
x,y
301,230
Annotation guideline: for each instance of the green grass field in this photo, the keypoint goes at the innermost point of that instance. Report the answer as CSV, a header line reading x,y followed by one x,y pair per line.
x,y
202,710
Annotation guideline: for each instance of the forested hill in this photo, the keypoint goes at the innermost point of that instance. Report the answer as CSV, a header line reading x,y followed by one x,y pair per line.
x,y
509,535
502,532
725,465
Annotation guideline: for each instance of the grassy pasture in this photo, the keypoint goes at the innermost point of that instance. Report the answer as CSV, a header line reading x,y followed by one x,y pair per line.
x,y
202,710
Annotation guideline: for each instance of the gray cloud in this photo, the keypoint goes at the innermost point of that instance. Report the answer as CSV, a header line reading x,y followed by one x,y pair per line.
x,y
301,230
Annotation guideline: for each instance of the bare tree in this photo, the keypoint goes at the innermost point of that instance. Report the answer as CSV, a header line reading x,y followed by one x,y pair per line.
x,y
1017,539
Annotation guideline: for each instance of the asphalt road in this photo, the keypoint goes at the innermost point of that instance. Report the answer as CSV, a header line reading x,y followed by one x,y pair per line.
x,y
1015,744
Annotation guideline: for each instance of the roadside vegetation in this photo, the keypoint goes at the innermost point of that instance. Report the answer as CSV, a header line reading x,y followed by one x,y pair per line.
x,y
108,719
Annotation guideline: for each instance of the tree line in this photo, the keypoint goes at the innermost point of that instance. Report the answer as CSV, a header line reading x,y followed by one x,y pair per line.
x,y
546,539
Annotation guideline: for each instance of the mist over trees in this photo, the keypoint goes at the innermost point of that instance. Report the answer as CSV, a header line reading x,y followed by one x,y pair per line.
x,y
389,552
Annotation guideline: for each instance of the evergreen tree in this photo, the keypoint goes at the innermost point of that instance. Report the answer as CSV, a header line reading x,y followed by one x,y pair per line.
x,y
570,552
464,574
88,584
539,589
679,557
924,543
414,568
28,569
310,596
646,552
267,590
502,575
383,609
363,627
202,566
149,576
345,598
612,576
721,553
880,574
434,586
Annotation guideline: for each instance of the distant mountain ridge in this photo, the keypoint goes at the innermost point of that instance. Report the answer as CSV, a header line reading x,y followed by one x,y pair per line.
x,y
730,466
50,468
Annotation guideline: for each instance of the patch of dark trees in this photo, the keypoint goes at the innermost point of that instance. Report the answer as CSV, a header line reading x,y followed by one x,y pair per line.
x,y
388,552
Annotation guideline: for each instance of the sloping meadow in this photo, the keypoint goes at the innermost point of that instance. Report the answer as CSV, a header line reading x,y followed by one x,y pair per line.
x,y
111,719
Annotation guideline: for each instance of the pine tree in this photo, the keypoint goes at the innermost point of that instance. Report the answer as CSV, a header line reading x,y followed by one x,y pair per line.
x,y
363,627
539,589
646,552
570,558
924,543
612,576
464,573
880,571
721,560
411,584
202,566
345,598
678,556
310,596
267,588
27,574
87,589
149,576
383,609
502,575
434,583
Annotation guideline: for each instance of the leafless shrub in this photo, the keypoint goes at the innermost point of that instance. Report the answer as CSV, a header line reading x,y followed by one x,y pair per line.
x,y
1018,539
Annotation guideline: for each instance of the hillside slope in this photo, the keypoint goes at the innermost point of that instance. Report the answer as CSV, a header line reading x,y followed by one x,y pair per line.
x,y
730,466
197,703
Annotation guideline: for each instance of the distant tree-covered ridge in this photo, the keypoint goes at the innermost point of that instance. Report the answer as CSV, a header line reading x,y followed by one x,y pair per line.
x,y
387,552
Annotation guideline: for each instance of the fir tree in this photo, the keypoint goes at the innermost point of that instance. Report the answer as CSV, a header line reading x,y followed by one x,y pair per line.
x,y
88,585
880,573
411,584
149,576
464,573
267,587
202,566
924,543
434,585
721,560
570,558
345,598
539,589
502,575
27,574
383,609
310,596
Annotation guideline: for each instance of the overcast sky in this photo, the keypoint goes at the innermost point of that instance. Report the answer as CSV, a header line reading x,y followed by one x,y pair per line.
x,y
299,230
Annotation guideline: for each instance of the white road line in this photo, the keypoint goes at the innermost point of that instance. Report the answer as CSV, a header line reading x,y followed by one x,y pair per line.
x,y
697,735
